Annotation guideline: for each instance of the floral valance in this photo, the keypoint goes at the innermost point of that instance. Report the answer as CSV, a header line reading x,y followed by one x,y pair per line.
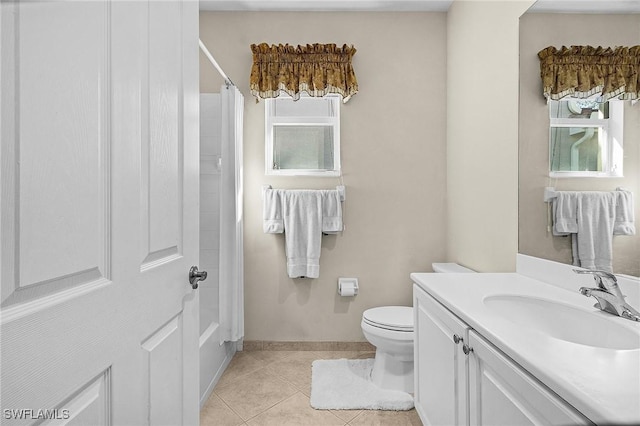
x,y
584,71
317,69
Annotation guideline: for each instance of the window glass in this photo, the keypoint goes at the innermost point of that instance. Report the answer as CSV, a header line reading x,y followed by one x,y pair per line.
x,y
585,138
303,147
302,137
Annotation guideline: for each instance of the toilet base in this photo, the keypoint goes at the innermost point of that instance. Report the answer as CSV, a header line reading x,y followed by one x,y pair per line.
x,y
393,372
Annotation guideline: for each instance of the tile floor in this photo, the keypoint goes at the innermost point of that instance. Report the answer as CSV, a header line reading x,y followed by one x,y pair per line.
x,y
273,388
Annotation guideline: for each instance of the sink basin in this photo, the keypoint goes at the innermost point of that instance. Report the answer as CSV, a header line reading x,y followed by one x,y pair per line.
x,y
565,322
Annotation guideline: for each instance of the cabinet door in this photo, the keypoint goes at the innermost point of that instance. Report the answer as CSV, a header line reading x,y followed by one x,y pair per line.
x,y
440,365
502,393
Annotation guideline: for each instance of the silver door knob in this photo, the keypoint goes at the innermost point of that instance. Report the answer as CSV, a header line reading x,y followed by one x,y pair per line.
x,y
196,276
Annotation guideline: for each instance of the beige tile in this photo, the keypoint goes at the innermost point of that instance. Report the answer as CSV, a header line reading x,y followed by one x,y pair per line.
x,y
336,354
318,346
269,357
252,345
366,354
268,345
217,413
282,346
386,418
295,369
355,346
346,415
252,394
299,346
242,364
295,411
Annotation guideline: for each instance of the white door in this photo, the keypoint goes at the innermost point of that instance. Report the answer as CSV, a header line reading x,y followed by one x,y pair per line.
x,y
99,224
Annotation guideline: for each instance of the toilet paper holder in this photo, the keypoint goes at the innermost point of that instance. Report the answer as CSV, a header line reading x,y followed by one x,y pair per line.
x,y
348,287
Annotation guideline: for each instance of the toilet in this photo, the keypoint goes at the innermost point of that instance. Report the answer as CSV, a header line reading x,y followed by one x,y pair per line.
x,y
390,330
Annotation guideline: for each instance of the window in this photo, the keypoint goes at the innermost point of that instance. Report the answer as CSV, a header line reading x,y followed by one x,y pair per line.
x,y
585,138
302,137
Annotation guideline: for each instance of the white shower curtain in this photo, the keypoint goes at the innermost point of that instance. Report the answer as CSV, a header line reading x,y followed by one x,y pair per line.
x,y
231,193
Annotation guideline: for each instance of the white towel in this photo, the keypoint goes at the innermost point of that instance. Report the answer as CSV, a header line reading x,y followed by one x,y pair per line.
x,y
592,218
624,223
272,222
596,213
302,213
565,213
331,212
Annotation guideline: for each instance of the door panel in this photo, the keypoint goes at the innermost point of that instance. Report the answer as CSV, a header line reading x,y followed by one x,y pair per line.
x,y
90,405
99,156
60,169
441,374
502,393
162,194
164,363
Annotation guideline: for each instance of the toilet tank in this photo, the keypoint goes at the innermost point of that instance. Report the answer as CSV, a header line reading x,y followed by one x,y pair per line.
x,y
448,268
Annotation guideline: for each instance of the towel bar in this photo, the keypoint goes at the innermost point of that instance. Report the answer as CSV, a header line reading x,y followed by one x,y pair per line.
x,y
342,191
550,193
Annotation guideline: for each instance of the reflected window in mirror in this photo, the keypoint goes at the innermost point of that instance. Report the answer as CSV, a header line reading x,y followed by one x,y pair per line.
x,y
585,138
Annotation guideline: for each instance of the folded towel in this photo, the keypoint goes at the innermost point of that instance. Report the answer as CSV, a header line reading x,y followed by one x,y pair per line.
x,y
302,213
331,212
624,223
565,213
273,222
596,212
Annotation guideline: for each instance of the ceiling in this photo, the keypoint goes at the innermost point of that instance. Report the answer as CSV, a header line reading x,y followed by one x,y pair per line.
x,y
327,5
541,6
586,6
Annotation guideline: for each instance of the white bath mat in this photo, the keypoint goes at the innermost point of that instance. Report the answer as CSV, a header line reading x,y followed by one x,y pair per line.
x,y
345,384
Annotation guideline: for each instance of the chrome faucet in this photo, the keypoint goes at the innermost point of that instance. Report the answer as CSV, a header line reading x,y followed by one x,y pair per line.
x,y
610,298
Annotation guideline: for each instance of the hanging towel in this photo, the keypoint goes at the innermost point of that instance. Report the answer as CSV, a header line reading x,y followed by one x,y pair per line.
x,y
596,213
565,213
592,218
624,221
331,212
302,214
273,222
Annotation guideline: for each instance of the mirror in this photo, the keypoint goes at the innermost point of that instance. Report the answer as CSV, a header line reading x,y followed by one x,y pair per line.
x,y
552,24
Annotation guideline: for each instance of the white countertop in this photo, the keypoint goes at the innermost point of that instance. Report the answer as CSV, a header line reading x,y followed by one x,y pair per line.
x,y
603,384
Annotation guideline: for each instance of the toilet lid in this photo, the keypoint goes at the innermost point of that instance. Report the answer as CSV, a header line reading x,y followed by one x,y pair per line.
x,y
390,317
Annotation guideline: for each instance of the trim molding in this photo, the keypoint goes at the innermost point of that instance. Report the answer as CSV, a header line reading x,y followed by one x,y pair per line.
x,y
267,345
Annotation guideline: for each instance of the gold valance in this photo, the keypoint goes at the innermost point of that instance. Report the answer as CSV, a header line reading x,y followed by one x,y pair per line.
x,y
583,71
317,69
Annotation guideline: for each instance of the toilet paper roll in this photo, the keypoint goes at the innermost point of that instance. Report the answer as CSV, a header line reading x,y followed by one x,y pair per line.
x,y
347,289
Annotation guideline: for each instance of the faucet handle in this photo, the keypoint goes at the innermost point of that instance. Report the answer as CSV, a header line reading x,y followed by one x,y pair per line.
x,y
598,275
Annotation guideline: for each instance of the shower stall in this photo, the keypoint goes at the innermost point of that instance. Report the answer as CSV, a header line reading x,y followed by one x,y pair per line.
x,y
221,297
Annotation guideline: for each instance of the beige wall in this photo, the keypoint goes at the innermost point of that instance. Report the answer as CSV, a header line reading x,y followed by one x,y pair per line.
x,y
482,133
393,161
538,31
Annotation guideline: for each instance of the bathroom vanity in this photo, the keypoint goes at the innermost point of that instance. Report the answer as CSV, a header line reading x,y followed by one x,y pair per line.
x,y
519,348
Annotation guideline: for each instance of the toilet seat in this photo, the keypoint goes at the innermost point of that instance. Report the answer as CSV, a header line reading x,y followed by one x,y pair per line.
x,y
395,318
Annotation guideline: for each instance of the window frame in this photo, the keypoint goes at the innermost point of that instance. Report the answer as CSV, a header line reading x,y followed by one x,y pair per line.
x,y
272,121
